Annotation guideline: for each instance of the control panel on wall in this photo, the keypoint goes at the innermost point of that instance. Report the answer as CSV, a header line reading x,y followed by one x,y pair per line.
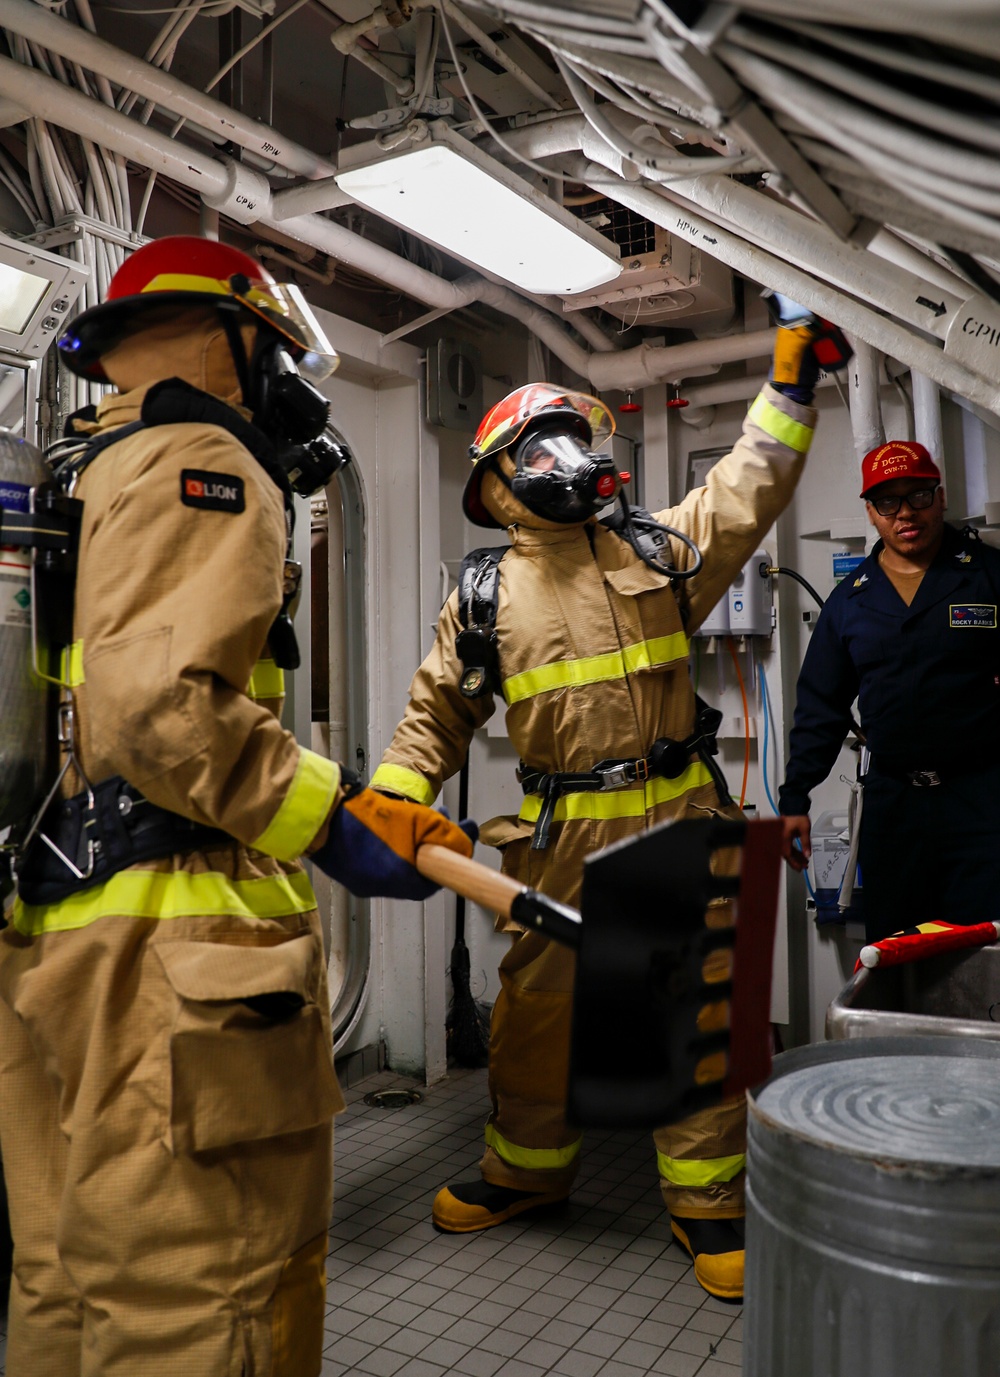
x,y
745,609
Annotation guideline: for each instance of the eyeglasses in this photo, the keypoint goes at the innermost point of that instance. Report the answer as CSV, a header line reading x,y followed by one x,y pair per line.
x,y
916,501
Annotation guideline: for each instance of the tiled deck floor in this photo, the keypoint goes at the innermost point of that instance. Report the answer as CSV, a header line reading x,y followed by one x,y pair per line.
x,y
593,1288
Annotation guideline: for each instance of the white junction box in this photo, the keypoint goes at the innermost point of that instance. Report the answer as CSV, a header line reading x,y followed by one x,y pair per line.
x,y
750,598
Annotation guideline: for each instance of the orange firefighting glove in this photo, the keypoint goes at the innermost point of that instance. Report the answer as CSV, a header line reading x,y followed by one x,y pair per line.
x,y
372,844
804,346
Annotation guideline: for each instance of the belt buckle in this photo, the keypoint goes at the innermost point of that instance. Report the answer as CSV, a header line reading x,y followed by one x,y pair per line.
x,y
924,779
613,776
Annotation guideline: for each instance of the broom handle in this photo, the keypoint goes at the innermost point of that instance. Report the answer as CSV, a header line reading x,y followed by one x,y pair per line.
x,y
463,812
468,878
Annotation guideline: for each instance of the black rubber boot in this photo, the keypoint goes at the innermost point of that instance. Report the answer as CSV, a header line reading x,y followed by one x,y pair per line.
x,y
716,1248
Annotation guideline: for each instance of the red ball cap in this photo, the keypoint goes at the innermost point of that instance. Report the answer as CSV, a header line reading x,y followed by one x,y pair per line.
x,y
896,459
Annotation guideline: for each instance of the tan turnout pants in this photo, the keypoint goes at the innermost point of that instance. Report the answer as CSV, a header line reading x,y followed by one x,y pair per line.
x,y
167,1148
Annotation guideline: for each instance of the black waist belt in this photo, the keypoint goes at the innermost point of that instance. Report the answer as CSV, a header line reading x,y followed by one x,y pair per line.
x,y
922,777
667,759
84,840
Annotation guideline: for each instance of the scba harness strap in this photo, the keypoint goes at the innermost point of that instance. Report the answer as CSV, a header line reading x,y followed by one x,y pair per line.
x,y
77,843
174,401
478,599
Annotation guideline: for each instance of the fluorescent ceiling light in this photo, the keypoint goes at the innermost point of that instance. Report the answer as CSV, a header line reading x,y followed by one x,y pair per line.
x,y
455,196
37,290
20,293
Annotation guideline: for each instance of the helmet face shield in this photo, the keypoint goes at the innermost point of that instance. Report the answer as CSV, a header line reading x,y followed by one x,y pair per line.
x,y
283,307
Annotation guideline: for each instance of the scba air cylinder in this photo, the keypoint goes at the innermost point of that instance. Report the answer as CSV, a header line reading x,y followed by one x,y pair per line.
x,y
873,1211
24,698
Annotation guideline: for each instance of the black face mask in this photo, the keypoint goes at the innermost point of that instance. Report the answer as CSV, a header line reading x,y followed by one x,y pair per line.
x,y
293,414
560,479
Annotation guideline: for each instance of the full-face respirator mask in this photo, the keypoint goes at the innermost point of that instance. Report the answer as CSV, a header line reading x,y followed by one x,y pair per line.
x,y
293,414
558,477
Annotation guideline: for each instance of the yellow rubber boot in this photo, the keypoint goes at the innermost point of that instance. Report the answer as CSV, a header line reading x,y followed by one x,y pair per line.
x,y
473,1205
716,1249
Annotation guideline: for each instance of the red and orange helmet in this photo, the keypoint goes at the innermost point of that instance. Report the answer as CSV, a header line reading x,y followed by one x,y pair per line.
x,y
505,423
185,270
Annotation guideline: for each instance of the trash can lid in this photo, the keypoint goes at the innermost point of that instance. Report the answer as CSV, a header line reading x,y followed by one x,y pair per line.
x,y
942,1110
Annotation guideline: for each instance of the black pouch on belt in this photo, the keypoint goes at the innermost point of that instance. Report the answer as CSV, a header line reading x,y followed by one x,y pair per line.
x,y
84,840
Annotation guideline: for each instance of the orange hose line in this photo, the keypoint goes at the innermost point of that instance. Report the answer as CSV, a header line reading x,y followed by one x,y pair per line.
x,y
746,719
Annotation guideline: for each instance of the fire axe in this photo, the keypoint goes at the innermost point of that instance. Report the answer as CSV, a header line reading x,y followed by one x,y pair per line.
x,y
671,1004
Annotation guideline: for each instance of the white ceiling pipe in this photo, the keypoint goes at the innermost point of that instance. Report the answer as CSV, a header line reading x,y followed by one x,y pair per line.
x,y
49,99
10,113
886,244
76,44
652,363
866,405
324,194
860,321
219,184
927,414
497,54
718,393
799,239
733,390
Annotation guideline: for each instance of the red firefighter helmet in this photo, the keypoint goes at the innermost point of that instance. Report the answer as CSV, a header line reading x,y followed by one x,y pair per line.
x,y
185,270
525,407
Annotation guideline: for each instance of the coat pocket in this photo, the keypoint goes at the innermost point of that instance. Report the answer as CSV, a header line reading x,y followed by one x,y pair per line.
x,y
250,1055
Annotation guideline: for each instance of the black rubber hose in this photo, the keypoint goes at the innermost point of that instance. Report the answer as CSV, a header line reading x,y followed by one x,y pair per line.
x,y
646,523
793,574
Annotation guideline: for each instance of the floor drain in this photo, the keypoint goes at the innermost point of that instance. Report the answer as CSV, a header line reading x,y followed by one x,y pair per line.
x,y
392,1099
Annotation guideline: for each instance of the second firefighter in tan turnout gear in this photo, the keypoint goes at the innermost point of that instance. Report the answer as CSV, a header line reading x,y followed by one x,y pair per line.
x,y
593,665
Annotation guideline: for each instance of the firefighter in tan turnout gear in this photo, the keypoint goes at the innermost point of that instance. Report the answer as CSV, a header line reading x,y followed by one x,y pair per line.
x,y
167,1087
591,646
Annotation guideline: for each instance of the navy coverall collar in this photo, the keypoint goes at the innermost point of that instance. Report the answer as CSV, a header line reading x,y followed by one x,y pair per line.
x,y
958,556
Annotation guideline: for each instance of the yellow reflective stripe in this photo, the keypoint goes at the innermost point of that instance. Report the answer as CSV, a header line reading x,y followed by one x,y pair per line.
x,y
187,282
266,680
399,780
596,669
661,650
779,426
538,1159
680,1171
618,803
175,894
303,809
71,665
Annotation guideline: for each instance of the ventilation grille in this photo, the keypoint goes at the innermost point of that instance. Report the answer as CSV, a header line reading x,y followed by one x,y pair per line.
x,y
632,234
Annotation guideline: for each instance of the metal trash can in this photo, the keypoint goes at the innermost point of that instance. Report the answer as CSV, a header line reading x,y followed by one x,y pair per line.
x,y
873,1211
957,993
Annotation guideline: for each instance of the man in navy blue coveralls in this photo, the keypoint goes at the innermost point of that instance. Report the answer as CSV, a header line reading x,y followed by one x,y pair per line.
x,y
914,636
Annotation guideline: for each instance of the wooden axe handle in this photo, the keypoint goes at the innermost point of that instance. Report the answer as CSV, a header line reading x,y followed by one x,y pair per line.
x,y
476,882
